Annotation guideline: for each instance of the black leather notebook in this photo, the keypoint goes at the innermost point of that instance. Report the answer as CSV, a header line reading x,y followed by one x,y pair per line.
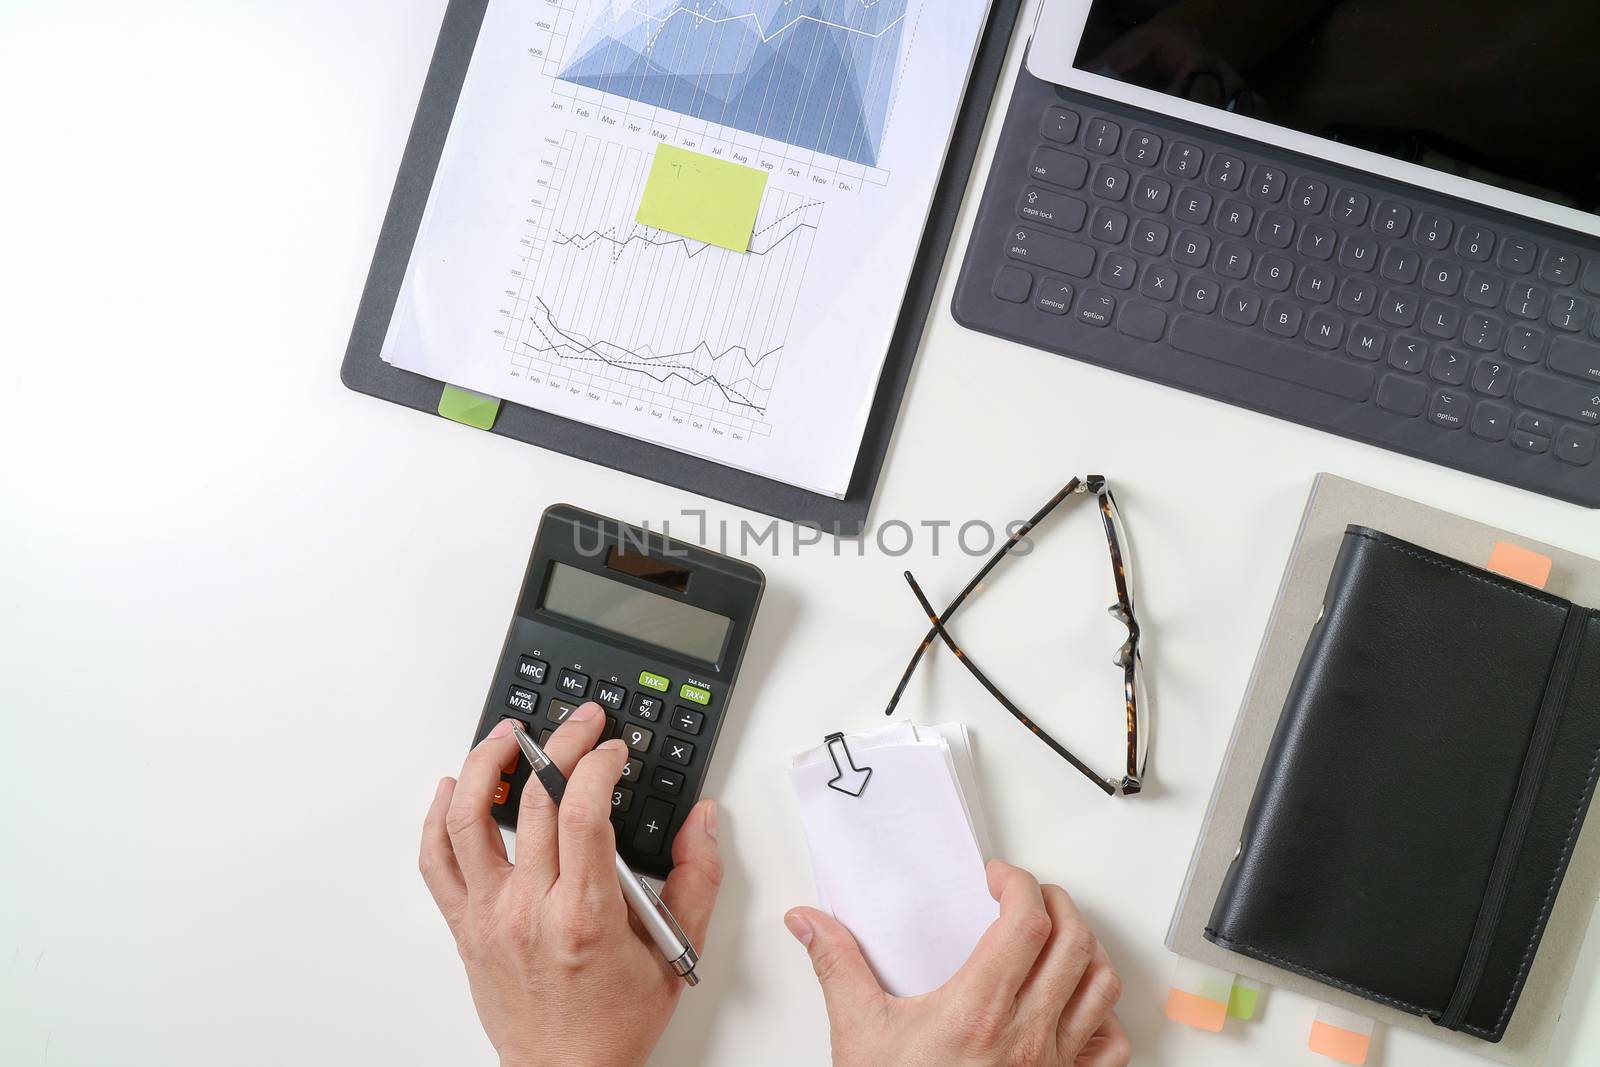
x,y
1425,786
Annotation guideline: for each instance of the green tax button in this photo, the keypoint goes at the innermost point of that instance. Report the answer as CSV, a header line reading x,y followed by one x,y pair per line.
x,y
701,197
654,681
694,693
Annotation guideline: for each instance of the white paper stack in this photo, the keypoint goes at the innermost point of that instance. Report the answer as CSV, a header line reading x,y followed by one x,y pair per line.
x,y
902,864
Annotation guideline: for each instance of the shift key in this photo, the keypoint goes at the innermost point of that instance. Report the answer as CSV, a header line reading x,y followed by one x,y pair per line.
x,y
1030,245
1570,400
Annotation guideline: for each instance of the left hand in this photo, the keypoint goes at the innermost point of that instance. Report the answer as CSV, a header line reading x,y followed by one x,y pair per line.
x,y
559,972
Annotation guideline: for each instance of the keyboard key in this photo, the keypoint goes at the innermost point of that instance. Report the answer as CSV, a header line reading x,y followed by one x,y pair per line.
x,y
1571,356
1310,196
1118,271
1491,378
655,819
1591,277
1351,207
1234,218
1575,446
666,781
1358,297
1408,353
1358,253
1266,183
1525,343
678,751
1192,249
532,670
1475,243
1142,321
1110,226
1060,125
1150,237
1392,220
559,711
1058,168
1144,149
1200,294
1434,230
1530,443
610,696
1449,409
688,720
1029,245
1275,273
1194,205
1315,284
1527,301
1518,255
1160,282
1055,296
1492,422
1399,265
1442,277
1559,396
1449,366
1226,172
523,700
1402,395
632,771
651,680
1097,309
1184,160
1484,289
1537,424
1013,284
1560,266
1283,318
1569,313
1052,209
1366,342
1111,183
637,738
1441,319
1102,136
1325,330
1399,308
1152,194
1233,261
1242,306
645,707
1317,240
1276,230
1483,333
1285,362
573,685
621,800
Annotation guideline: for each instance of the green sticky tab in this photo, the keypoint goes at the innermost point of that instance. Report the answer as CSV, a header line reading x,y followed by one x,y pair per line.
x,y
469,408
694,693
698,196
1242,1002
654,681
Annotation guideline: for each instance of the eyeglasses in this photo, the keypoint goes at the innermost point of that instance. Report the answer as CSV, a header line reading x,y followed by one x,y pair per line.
x,y
1128,658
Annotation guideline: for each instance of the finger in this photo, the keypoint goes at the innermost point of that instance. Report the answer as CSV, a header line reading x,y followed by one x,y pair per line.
x,y
691,889
438,859
536,816
587,847
1109,1047
848,984
1007,950
1068,953
474,836
1090,1005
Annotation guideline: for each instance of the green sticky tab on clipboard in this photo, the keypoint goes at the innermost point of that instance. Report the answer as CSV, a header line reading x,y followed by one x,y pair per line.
x,y
469,408
698,196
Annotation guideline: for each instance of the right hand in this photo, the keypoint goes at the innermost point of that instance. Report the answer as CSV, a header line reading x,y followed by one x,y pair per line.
x,y
1038,991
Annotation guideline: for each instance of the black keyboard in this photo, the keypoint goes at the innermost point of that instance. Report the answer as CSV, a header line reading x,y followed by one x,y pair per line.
x,y
1292,286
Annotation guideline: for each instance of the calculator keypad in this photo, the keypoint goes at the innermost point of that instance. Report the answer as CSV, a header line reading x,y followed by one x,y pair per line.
x,y
677,751
532,670
653,823
573,685
638,738
520,699
688,720
610,696
646,707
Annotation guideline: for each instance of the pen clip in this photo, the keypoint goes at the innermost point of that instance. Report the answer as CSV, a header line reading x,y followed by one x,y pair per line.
x,y
665,912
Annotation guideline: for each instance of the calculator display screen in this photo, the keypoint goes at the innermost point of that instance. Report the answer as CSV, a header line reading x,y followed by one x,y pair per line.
x,y
634,613
1503,93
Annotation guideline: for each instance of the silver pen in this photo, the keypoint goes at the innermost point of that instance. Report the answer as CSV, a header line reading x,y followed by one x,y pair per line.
x,y
642,899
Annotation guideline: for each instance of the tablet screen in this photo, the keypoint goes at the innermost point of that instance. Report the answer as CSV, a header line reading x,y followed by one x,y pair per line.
x,y
1502,93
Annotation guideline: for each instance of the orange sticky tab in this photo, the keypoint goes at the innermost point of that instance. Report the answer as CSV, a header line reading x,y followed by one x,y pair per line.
x,y
1336,1043
1520,564
1196,1011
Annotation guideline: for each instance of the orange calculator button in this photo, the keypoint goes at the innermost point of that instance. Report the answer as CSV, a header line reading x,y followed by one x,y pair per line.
x,y
502,792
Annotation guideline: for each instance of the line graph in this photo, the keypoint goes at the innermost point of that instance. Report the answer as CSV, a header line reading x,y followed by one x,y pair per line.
x,y
646,322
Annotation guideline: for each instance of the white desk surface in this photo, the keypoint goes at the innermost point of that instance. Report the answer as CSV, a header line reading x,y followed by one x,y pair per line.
x,y
247,617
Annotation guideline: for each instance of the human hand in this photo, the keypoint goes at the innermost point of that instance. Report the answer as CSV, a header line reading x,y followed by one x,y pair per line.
x,y
1037,991
558,970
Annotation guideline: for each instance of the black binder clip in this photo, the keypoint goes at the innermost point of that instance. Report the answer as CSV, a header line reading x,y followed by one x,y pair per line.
x,y
850,779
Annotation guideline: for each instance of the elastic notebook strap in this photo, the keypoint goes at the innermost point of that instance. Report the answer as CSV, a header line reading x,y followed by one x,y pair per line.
x,y
1540,745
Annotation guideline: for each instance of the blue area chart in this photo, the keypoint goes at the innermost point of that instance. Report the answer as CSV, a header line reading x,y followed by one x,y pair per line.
x,y
817,74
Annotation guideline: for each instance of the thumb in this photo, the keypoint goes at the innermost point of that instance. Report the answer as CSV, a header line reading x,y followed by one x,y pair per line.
x,y
847,982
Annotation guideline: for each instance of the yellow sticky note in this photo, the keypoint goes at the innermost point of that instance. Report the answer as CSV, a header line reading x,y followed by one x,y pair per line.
x,y
701,197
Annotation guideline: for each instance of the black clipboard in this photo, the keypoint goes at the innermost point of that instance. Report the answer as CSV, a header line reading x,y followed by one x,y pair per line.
x,y
365,371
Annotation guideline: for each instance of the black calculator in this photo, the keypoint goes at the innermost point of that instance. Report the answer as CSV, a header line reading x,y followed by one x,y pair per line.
x,y
651,629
